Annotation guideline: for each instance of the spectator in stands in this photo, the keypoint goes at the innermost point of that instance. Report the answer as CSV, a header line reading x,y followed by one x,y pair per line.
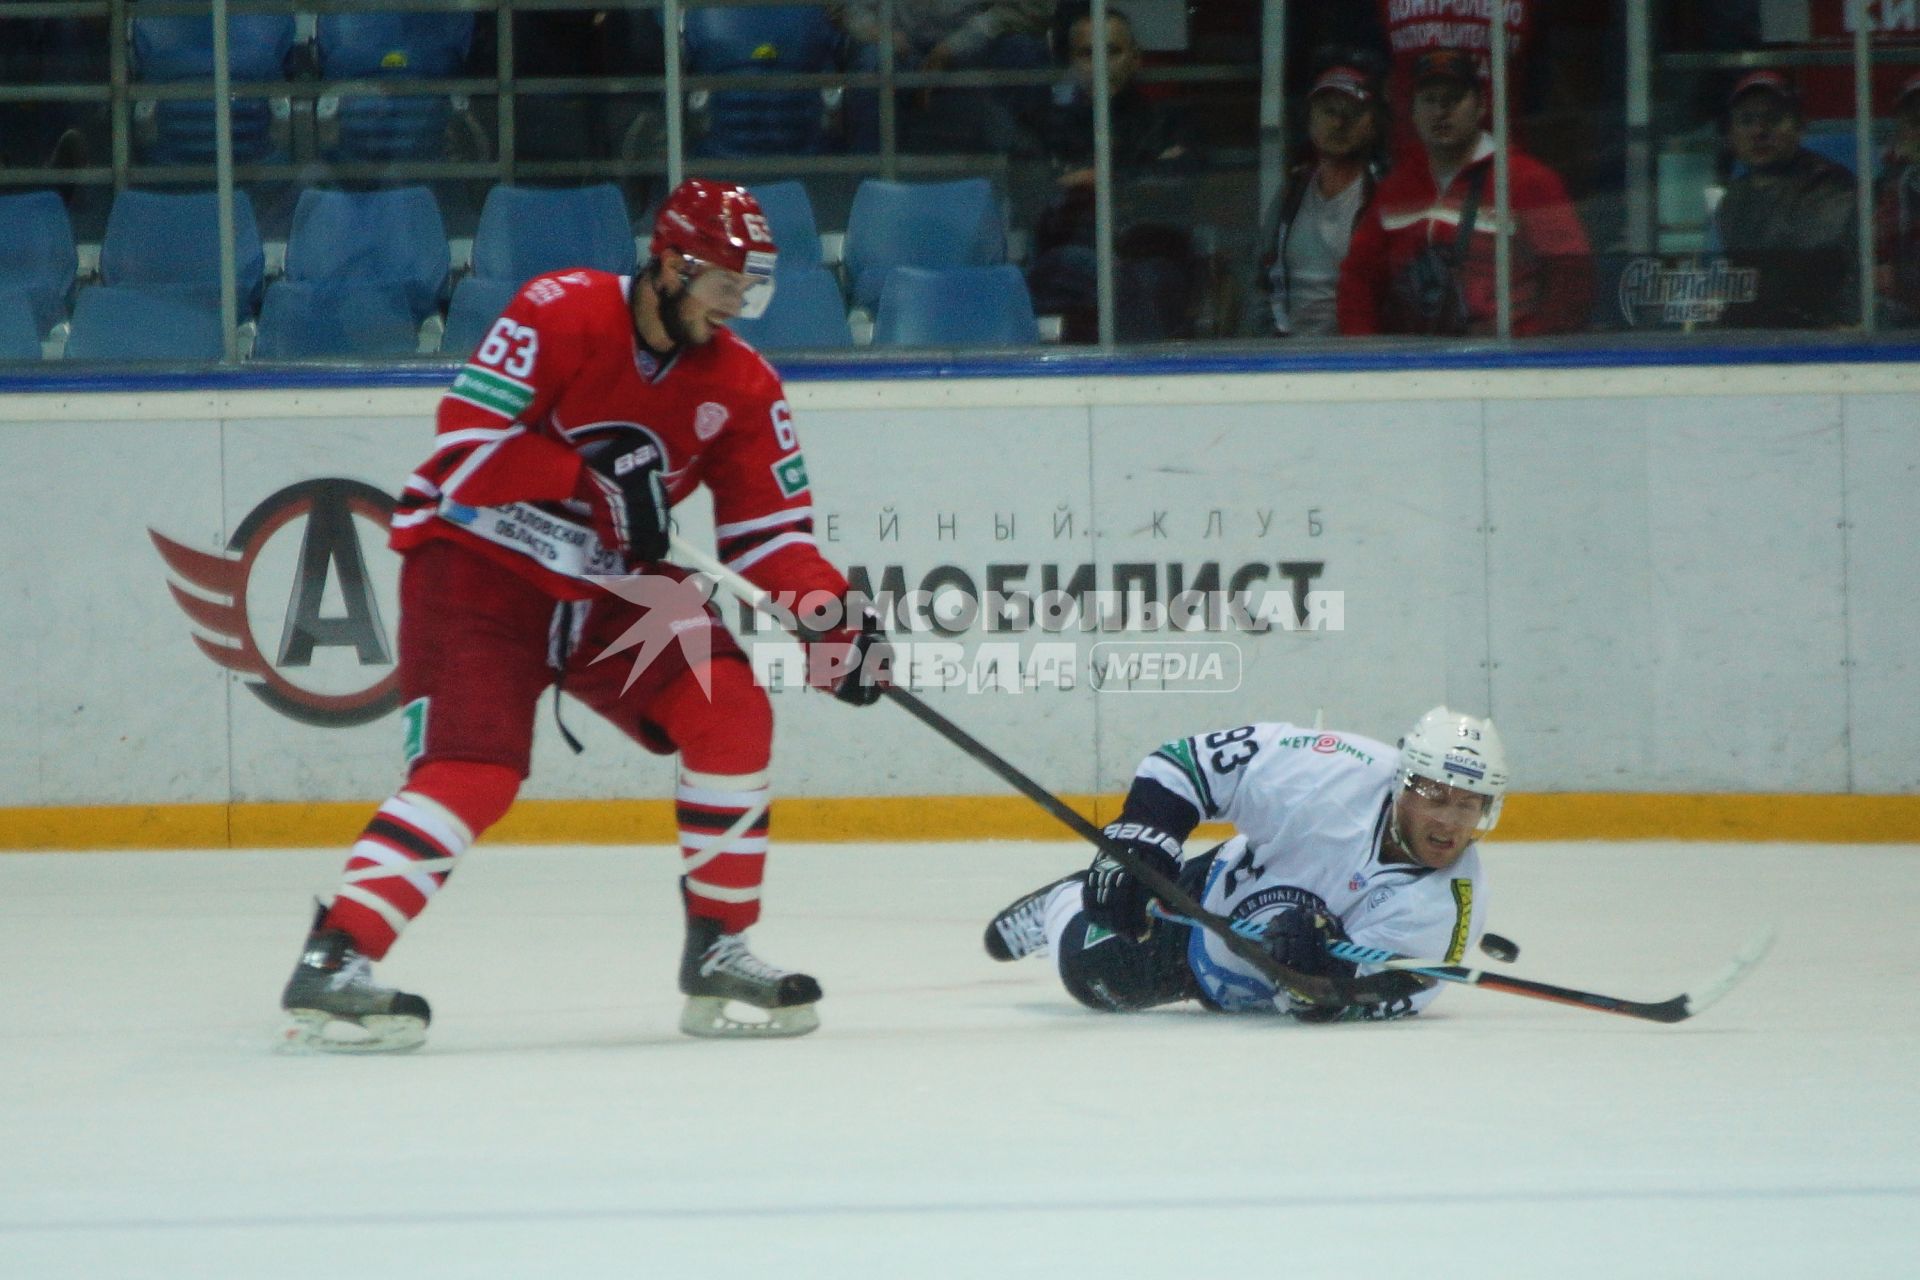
x,y
1787,212
1897,214
1311,222
1155,156
1408,270
946,35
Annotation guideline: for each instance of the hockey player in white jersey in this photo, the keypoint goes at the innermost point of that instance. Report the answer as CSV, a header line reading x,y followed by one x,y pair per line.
x,y
1339,837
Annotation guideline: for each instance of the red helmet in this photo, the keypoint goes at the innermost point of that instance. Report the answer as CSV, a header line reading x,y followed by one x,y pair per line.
x,y
718,223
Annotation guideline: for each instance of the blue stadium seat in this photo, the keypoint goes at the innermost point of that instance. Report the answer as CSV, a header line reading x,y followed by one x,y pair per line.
x,y
920,224
172,239
476,305
173,49
789,211
955,307
391,236
37,256
19,331
807,311
401,46
760,40
528,231
342,318
144,324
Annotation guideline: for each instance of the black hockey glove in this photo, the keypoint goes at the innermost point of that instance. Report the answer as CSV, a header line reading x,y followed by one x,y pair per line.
x,y
628,492
852,665
1298,939
1113,898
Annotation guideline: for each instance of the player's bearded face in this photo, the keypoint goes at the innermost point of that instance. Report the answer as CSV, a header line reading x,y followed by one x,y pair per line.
x,y
708,295
1436,822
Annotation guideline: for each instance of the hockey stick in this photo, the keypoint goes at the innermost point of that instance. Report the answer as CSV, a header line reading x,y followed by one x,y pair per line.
x,y
1678,1009
1308,986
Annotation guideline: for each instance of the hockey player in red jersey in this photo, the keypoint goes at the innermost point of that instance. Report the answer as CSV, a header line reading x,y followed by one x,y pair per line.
x,y
594,404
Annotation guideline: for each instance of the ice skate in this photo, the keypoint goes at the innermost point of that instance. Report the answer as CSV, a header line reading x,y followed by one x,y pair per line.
x,y
717,968
1020,930
333,1005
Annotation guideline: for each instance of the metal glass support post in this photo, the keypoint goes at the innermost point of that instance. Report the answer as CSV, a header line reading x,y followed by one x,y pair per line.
x,y
1502,191
506,141
223,177
122,106
676,101
1273,106
1102,175
1863,159
1640,235
889,102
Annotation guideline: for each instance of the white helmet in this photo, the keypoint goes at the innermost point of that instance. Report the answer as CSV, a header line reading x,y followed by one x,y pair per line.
x,y
1460,751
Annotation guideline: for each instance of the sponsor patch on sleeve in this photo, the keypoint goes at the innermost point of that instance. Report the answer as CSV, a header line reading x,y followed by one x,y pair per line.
x,y
490,390
790,473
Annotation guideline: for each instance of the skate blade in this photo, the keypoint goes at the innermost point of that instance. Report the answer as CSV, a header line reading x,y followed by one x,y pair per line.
x,y
707,1017
316,1031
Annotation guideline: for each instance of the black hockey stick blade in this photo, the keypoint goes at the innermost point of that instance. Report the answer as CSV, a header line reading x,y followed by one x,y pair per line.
x,y
1677,1009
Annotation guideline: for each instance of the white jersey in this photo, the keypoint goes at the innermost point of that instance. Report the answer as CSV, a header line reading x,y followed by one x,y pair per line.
x,y
1311,809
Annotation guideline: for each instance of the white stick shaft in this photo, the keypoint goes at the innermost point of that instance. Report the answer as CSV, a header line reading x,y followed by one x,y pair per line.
x,y
735,585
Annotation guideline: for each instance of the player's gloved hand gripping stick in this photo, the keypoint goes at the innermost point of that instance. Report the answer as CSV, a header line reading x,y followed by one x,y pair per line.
x,y
1319,990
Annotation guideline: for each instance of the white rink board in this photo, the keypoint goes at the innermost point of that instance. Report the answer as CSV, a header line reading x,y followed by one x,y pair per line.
x,y
1679,583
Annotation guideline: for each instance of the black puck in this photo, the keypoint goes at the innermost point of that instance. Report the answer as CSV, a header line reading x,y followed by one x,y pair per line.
x,y
1505,950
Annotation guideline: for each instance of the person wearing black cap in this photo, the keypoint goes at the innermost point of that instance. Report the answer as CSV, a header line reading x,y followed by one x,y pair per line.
x,y
1422,258
1788,213
1897,214
1311,222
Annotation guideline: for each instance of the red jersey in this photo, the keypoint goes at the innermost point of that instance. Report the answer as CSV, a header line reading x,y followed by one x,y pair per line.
x,y
562,363
1415,26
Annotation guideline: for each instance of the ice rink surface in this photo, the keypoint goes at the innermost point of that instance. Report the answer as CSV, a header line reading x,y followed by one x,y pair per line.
x,y
952,1117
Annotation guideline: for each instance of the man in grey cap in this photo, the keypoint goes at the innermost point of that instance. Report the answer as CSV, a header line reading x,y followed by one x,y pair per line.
x,y
1788,213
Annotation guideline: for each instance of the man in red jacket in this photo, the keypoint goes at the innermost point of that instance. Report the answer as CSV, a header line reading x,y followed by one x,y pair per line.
x,y
1405,273
533,539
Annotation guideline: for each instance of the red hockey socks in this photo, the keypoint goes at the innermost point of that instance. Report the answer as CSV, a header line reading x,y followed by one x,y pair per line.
x,y
721,801
723,844
409,848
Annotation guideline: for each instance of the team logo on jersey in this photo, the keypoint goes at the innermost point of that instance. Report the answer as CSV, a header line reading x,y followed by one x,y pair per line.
x,y
333,665
1356,882
708,419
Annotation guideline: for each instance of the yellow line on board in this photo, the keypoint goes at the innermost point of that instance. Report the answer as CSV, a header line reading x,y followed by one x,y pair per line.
x,y
1813,819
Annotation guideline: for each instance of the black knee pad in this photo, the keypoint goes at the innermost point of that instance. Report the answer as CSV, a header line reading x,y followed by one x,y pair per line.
x,y
1114,974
